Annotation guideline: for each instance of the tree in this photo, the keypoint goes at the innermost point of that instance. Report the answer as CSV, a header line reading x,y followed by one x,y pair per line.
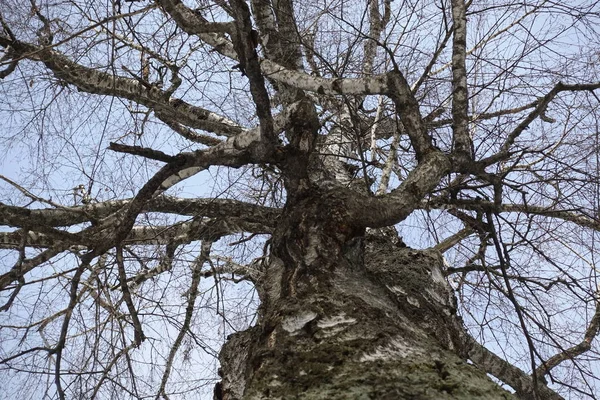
x,y
319,130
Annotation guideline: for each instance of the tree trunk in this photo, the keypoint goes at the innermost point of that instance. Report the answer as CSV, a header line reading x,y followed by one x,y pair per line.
x,y
349,315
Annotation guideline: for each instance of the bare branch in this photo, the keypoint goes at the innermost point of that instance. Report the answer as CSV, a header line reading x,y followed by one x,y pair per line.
x,y
139,333
463,145
192,294
394,207
453,240
539,110
28,265
576,350
141,151
577,218
192,21
93,81
506,372
66,216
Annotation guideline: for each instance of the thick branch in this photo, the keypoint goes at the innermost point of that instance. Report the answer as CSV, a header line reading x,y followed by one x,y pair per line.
x,y
463,144
213,208
147,235
376,84
93,81
394,207
377,23
246,48
506,372
141,151
408,109
192,21
453,240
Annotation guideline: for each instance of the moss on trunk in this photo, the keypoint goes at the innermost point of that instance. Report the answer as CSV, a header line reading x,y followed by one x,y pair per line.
x,y
349,316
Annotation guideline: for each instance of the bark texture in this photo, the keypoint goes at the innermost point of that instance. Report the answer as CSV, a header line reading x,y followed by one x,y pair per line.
x,y
350,315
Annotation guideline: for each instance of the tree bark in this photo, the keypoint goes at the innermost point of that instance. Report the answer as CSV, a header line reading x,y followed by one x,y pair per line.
x,y
349,314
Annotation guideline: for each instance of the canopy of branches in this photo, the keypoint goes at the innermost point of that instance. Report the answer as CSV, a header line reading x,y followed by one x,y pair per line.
x,y
151,146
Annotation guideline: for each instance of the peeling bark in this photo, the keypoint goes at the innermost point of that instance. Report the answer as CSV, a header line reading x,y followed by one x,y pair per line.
x,y
349,315
347,311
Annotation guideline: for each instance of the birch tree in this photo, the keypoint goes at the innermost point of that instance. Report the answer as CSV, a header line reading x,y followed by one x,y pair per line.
x,y
356,199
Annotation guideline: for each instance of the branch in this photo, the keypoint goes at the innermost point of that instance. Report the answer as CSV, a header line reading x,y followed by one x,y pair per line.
x,y
377,84
197,229
576,350
66,216
407,107
189,311
245,48
506,372
267,25
453,240
377,23
427,71
190,135
486,116
185,232
21,279
191,21
141,151
475,267
390,162
165,264
60,345
503,258
10,65
539,111
93,81
395,206
481,205
463,145
29,264
139,335
251,272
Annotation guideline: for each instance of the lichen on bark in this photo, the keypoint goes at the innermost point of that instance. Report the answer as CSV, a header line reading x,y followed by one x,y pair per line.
x,y
380,323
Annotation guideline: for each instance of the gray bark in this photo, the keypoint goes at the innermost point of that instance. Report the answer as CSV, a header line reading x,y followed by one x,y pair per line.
x,y
346,311
350,315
